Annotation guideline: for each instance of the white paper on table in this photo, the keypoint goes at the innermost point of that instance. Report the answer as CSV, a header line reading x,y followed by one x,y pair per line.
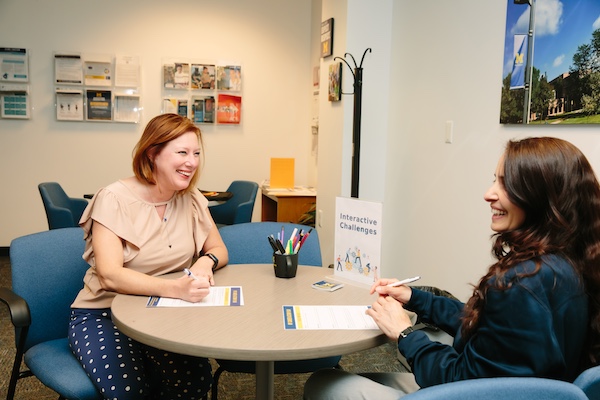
x,y
327,317
219,296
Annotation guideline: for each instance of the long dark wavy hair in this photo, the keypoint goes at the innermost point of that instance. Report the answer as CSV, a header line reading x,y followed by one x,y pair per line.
x,y
554,184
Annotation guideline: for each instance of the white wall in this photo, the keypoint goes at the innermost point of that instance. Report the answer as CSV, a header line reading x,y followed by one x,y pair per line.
x,y
270,39
358,25
448,61
445,65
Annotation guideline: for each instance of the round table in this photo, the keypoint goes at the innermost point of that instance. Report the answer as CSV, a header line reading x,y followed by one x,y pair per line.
x,y
254,331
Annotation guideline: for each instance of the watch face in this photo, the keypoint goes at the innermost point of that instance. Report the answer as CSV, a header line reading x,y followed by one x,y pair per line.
x,y
405,332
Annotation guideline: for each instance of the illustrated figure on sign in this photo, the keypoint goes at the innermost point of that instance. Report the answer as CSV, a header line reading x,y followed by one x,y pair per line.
x,y
347,261
357,261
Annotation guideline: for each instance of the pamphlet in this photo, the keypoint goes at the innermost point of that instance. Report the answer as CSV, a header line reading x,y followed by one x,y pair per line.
x,y
327,286
327,317
14,64
99,105
219,296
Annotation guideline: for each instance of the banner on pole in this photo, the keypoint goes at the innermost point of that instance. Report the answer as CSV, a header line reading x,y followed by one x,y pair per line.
x,y
517,79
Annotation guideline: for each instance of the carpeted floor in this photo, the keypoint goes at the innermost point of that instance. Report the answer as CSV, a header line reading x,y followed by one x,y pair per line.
x,y
231,386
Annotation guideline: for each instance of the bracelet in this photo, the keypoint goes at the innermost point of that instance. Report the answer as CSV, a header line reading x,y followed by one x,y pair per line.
x,y
214,259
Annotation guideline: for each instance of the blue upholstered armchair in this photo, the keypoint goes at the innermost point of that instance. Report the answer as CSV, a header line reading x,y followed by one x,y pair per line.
x,y
502,389
239,208
47,273
62,211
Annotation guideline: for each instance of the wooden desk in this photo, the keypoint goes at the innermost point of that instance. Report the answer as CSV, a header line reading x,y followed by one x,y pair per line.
x,y
286,206
254,331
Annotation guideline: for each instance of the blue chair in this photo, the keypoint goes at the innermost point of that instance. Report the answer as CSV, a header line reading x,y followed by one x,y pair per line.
x,y
247,244
62,211
589,382
502,389
586,387
239,208
47,273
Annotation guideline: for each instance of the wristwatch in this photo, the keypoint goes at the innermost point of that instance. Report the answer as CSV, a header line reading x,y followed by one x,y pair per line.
x,y
214,259
405,333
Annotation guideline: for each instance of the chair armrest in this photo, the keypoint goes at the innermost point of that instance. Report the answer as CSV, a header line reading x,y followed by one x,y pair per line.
x,y
500,389
243,212
19,310
79,206
59,217
589,382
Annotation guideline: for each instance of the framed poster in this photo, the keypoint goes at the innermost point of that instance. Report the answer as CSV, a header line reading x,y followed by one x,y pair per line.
x,y
550,76
327,38
335,80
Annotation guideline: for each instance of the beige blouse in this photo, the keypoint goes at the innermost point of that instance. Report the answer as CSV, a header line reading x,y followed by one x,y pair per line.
x,y
151,245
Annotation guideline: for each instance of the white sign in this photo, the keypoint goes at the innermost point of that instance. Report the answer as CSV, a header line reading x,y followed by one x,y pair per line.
x,y
357,240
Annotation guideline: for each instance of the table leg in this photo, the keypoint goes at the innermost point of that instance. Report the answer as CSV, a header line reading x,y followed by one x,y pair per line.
x,y
265,388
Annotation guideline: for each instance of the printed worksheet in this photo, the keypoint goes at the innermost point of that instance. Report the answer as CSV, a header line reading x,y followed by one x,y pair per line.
x,y
327,317
219,296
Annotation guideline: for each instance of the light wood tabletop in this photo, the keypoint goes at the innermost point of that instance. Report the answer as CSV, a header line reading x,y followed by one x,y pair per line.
x,y
254,331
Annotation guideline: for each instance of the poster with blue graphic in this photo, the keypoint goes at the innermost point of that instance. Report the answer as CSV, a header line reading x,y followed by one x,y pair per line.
x,y
551,63
357,240
517,80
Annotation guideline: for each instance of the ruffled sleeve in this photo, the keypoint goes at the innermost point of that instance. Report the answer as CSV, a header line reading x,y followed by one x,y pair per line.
x,y
202,221
108,209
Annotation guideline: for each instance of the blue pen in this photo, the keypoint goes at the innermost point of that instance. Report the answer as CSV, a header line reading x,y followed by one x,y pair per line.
x,y
190,273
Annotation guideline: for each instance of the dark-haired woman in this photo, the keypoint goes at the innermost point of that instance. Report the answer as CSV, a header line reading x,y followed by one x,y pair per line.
x,y
536,311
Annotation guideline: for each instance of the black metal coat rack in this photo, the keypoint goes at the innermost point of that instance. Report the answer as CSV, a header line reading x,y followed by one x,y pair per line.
x,y
357,74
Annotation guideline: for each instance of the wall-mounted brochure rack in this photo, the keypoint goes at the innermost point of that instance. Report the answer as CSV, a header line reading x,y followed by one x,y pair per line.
x,y
100,88
205,92
14,88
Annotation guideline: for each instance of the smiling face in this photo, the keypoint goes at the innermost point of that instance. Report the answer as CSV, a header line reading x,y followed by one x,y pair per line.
x,y
176,163
506,215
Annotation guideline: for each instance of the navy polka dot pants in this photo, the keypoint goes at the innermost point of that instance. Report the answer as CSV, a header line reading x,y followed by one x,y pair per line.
x,y
122,368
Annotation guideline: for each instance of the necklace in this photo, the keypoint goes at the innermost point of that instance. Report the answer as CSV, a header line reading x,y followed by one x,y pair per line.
x,y
163,210
164,218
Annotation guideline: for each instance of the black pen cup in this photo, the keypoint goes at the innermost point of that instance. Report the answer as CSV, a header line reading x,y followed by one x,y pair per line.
x,y
285,265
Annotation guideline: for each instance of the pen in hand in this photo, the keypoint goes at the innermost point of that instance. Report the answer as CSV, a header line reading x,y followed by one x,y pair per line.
x,y
404,281
190,274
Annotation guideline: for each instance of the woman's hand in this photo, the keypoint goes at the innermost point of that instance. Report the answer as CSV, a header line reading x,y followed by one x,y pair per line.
x,y
390,316
203,268
401,293
193,289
